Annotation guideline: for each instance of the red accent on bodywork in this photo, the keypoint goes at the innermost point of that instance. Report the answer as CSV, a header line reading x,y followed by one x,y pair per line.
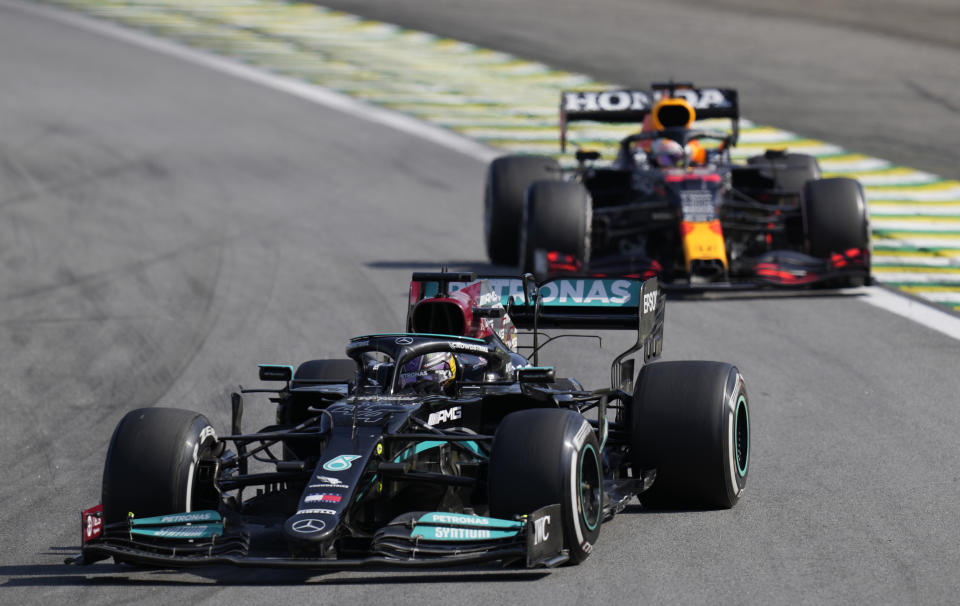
x,y
712,178
773,273
851,256
91,523
414,293
559,263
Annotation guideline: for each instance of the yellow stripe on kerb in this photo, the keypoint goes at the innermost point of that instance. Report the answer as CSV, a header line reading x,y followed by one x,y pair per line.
x,y
511,103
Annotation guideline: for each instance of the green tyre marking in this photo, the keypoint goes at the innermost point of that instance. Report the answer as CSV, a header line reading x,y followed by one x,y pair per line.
x,y
583,501
742,432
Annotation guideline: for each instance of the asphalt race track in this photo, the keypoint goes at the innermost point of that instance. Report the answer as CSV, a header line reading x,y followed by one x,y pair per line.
x,y
165,228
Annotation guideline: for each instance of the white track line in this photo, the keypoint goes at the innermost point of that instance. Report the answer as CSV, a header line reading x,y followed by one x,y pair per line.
x,y
919,312
901,305
297,88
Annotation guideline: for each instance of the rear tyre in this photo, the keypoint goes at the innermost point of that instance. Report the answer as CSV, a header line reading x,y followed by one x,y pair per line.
x,y
545,456
789,171
557,217
690,421
151,464
507,181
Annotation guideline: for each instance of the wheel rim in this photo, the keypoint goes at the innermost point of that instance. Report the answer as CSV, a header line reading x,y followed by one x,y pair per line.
x,y
742,436
590,483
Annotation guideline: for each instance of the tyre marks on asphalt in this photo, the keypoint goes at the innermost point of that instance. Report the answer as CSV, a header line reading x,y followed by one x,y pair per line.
x,y
512,104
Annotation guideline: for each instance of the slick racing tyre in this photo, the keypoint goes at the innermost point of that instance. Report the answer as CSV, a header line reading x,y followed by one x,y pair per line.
x,y
151,465
789,171
690,421
507,181
545,456
835,216
557,217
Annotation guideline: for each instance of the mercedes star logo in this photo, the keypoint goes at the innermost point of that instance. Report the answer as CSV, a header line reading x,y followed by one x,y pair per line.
x,y
404,341
308,525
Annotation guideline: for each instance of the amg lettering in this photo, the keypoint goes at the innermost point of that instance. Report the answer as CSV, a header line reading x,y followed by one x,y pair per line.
x,y
442,416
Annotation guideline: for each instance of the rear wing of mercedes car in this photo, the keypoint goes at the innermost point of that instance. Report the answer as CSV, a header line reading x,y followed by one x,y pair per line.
x,y
466,304
632,106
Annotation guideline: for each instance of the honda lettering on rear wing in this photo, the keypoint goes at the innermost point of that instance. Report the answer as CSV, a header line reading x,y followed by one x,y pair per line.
x,y
632,106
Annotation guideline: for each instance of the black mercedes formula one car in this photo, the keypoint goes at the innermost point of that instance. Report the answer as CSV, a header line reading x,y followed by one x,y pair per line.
x,y
672,204
441,445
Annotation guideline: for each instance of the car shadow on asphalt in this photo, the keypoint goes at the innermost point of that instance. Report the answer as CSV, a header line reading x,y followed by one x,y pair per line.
x,y
765,293
638,509
108,574
477,267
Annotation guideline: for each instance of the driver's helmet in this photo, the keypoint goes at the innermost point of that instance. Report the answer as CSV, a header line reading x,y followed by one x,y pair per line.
x,y
666,153
431,372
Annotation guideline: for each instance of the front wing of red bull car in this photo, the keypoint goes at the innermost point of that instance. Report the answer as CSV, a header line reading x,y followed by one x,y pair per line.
x,y
484,454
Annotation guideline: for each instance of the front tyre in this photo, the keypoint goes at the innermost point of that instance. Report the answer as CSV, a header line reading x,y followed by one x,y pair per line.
x,y
690,421
836,219
545,456
151,466
835,216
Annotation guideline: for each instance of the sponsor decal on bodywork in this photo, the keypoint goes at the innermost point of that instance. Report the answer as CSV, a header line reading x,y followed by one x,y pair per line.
x,y
599,292
92,522
340,462
439,526
322,498
459,346
698,205
446,533
541,530
635,100
442,416
182,518
308,526
196,531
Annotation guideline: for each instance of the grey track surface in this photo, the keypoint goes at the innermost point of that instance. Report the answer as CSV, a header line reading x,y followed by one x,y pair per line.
x,y
164,228
880,77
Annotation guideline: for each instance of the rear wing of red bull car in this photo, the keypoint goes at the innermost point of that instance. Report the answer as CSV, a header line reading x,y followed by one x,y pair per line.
x,y
632,106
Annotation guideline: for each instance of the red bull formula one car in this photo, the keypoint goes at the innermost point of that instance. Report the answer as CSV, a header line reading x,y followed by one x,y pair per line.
x,y
441,445
672,204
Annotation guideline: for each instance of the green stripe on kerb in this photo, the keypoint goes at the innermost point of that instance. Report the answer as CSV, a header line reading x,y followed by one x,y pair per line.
x,y
498,99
